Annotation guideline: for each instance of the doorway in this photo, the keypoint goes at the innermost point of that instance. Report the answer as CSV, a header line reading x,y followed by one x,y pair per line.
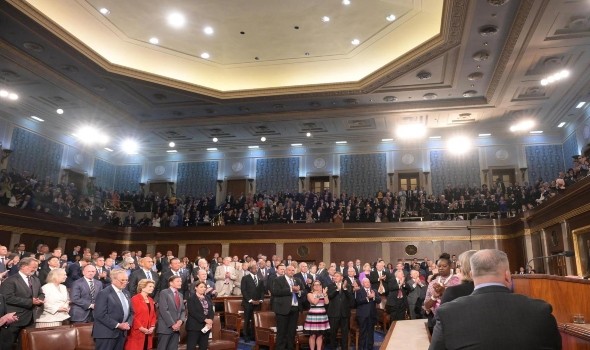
x,y
77,179
236,188
159,187
318,184
408,181
506,176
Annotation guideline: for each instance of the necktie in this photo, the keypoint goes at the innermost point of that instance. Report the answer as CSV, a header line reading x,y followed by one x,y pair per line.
x,y
368,292
30,281
294,299
177,299
255,280
148,275
92,289
399,291
99,270
125,305
305,277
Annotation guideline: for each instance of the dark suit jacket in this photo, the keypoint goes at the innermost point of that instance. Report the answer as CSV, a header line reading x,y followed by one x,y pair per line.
x,y
163,283
19,298
80,299
494,318
74,273
137,276
366,308
196,315
251,291
282,295
42,274
108,311
168,313
340,300
454,292
374,278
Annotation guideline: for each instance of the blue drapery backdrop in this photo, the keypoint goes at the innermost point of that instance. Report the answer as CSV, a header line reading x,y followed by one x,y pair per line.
x,y
104,172
447,168
275,175
570,148
363,174
196,179
544,162
127,177
36,155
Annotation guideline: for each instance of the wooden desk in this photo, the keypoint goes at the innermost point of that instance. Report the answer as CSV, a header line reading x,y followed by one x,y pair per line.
x,y
407,335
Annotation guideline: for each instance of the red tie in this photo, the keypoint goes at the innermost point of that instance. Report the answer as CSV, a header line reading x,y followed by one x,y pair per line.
x,y
177,299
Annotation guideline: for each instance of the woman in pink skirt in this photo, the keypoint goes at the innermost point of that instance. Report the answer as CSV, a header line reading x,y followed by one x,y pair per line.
x,y
316,322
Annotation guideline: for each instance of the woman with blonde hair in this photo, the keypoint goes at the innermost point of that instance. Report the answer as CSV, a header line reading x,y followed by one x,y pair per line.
x,y
141,334
57,302
466,286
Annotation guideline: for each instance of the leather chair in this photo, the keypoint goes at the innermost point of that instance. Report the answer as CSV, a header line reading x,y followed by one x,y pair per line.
x,y
265,336
75,337
84,336
234,314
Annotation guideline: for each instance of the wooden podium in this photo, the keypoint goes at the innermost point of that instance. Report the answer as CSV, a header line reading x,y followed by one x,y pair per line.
x,y
568,296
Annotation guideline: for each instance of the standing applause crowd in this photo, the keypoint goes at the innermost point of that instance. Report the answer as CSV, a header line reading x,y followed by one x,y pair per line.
x,y
130,298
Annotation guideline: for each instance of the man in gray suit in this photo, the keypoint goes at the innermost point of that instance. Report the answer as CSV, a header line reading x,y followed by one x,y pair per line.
x,y
171,314
83,296
492,317
23,295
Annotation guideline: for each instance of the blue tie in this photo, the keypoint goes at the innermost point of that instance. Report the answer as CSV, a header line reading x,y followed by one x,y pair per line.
x,y
294,299
125,305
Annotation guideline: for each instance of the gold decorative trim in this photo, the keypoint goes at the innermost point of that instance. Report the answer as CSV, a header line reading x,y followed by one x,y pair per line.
x,y
570,214
575,233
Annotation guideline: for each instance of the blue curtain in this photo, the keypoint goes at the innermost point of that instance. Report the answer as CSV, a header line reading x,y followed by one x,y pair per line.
x,y
570,148
36,155
104,173
447,168
275,175
127,178
196,179
544,162
363,174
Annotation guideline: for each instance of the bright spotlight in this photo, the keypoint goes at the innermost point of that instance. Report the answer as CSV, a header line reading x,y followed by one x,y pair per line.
x,y
171,144
263,139
410,131
130,146
459,145
176,20
90,135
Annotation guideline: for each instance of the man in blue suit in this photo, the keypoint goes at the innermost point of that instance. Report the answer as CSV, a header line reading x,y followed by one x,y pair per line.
x,y
83,296
113,314
367,300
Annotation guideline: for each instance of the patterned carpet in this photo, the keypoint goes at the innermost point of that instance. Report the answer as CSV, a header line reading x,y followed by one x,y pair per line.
x,y
378,340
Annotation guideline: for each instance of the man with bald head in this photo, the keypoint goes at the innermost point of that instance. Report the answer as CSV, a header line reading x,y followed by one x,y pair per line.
x,y
83,295
492,317
288,293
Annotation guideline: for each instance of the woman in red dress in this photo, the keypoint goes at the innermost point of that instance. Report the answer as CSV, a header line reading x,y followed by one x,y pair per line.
x,y
141,333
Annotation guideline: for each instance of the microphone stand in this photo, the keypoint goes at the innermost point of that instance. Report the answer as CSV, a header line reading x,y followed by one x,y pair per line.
x,y
565,253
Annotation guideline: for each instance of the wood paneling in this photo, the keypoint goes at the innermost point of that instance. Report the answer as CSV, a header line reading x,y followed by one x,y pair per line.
x,y
252,249
5,237
163,248
203,250
304,251
574,337
514,248
456,247
71,243
137,246
105,248
31,241
366,251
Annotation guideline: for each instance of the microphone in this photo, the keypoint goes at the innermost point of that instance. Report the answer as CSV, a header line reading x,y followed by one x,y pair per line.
x,y
567,254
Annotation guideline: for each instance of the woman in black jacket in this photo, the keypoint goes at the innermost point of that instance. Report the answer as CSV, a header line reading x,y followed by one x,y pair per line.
x,y
200,318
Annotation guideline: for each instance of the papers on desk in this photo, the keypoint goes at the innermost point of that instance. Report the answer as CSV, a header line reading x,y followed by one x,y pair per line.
x,y
274,329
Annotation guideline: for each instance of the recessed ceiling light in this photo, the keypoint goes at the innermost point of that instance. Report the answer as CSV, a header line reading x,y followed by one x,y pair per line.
x,y
325,19
208,30
536,132
12,96
215,139
105,11
435,137
522,126
108,149
580,105
555,77
410,131
59,111
205,55
296,144
341,142
154,40
487,134
211,149
176,20
171,144
355,42
171,151
459,145
252,147
386,140
346,2
3,93
308,134
130,146
263,139
37,118
390,18
561,125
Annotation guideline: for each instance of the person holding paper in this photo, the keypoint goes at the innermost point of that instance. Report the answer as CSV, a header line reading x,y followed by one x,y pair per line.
x,y
200,318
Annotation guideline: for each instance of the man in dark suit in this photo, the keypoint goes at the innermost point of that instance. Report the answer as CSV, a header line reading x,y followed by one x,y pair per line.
x,y
102,272
341,297
202,277
379,276
492,317
113,313
252,296
174,270
397,299
6,318
287,292
23,294
52,264
171,314
367,300
307,279
144,272
75,271
83,296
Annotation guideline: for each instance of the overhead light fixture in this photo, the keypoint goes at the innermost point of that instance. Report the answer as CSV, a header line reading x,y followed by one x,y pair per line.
x,y
211,149
263,139
459,145
580,105
59,111
296,144
3,93
171,144
325,19
308,134
522,126
12,96
355,42
215,139
555,77
91,135
108,149
105,11
37,118
486,134
8,94
561,125
390,18
536,132
208,30
346,2
171,151
154,40
341,142
410,131
205,55
253,147
176,20
386,140
435,137
130,146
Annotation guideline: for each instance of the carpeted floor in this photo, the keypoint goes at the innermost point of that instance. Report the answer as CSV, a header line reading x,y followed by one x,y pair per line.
x,y
378,340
